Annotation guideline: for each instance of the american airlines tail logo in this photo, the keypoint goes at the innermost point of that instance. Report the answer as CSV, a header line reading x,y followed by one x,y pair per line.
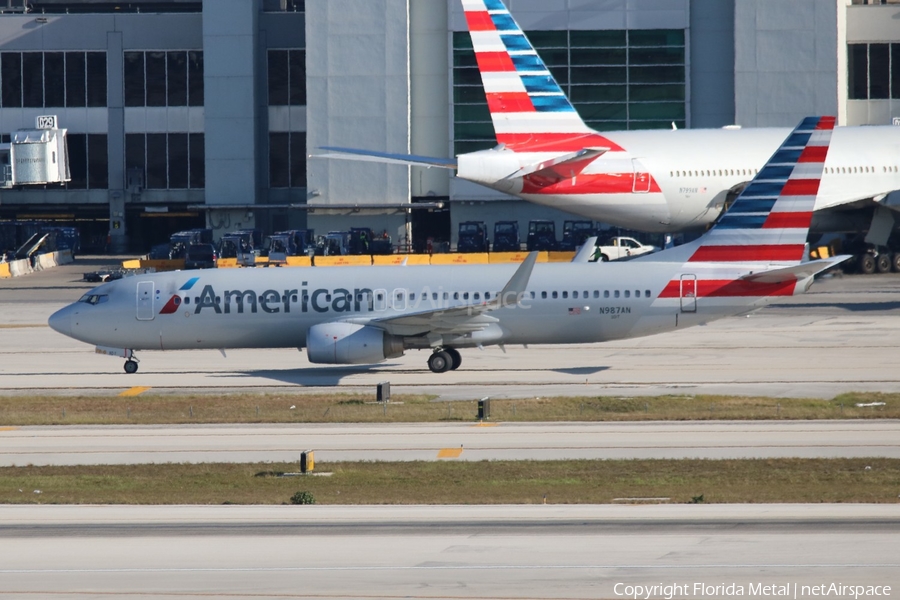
x,y
175,301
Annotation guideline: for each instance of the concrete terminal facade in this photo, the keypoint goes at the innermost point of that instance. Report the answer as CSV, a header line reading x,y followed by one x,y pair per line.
x,y
189,114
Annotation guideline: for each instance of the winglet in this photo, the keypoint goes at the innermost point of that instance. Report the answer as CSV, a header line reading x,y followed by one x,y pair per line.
x,y
586,252
516,285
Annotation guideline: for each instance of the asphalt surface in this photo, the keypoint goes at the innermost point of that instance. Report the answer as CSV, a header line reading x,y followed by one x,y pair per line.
x,y
840,337
92,445
446,552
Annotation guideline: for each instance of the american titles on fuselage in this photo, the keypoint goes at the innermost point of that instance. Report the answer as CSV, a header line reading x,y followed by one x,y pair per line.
x,y
323,300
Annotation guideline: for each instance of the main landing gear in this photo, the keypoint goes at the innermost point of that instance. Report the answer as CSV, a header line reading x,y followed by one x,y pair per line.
x,y
444,359
131,365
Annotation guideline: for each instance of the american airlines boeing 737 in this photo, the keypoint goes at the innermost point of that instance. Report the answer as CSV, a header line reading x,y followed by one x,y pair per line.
x,y
657,180
359,315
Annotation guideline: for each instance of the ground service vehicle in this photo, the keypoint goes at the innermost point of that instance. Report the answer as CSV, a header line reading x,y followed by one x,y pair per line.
x,y
200,256
541,235
472,237
242,244
294,242
179,241
619,247
575,233
506,236
333,243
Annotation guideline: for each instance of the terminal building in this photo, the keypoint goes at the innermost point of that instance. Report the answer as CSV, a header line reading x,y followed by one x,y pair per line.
x,y
184,114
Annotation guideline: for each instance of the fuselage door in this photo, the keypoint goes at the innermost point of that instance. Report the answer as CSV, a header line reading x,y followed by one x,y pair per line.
x,y
688,293
145,310
641,177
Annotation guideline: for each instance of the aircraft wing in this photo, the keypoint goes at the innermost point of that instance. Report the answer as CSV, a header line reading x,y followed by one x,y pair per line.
x,y
385,157
796,272
460,320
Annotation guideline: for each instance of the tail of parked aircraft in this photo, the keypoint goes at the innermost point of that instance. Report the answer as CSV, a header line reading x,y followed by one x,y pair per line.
x,y
528,107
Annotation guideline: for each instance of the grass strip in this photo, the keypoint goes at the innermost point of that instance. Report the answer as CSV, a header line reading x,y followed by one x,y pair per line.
x,y
151,408
874,480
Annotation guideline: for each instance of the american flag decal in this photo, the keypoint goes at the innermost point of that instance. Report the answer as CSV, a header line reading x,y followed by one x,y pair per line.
x,y
575,311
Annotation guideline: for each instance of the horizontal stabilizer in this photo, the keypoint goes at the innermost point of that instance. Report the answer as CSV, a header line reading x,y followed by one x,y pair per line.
x,y
385,157
586,252
572,161
796,272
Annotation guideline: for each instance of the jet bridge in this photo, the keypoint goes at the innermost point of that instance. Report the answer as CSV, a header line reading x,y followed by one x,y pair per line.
x,y
35,156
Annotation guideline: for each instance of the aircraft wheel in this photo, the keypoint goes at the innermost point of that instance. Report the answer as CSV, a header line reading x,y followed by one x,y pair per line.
x,y
883,263
895,262
131,366
866,264
439,362
604,258
455,358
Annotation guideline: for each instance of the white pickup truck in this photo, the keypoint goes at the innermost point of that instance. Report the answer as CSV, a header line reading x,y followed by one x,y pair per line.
x,y
619,247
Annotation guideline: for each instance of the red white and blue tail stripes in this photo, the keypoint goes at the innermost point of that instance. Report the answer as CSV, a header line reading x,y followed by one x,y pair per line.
x,y
769,221
528,107
756,249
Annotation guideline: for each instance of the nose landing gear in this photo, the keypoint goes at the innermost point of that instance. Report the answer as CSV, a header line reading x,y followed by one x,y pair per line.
x,y
444,359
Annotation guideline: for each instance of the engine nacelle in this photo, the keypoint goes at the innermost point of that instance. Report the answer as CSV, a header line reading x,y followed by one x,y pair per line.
x,y
351,344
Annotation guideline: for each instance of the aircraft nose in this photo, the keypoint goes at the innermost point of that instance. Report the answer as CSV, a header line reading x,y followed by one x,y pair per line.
x,y
61,321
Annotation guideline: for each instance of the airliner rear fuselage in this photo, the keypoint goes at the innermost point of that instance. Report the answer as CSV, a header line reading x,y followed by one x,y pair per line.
x,y
670,181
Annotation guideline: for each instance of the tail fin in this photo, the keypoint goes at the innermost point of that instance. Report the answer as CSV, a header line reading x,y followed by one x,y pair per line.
x,y
769,221
528,107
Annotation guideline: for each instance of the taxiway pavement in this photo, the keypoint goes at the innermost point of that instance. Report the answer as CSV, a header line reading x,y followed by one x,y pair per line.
x,y
91,445
840,337
441,552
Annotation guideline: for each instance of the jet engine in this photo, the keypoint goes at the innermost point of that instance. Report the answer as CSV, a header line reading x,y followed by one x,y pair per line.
x,y
351,344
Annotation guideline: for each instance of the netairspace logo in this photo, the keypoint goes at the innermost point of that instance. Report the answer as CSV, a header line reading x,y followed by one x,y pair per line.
x,y
783,590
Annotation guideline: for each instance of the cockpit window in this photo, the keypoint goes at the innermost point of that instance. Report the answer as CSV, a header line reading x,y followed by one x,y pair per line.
x,y
94,298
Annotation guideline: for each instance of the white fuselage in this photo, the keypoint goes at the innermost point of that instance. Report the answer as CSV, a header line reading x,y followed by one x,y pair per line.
x,y
565,303
690,174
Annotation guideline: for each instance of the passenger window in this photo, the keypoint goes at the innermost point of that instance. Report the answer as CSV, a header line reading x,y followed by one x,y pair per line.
x,y
617,293
627,293
456,295
412,297
555,295
575,294
637,293
596,294
565,294
544,295
646,293
477,296
465,295
187,300
532,295
434,296
606,293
